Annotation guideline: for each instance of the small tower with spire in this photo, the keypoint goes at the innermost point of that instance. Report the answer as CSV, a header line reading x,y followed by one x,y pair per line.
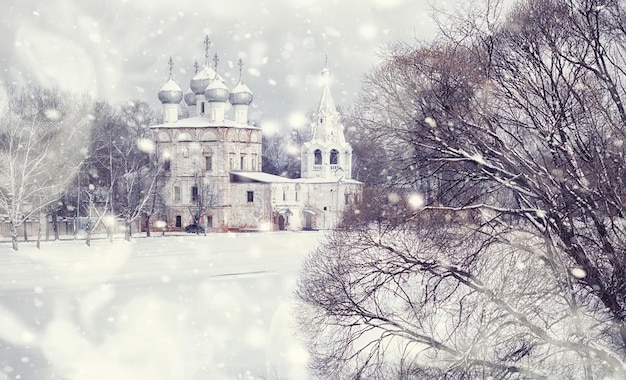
x,y
327,155
170,96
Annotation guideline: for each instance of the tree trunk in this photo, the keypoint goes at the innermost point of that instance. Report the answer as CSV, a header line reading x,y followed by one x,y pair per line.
x,y
128,233
25,232
147,225
55,225
13,235
42,220
88,230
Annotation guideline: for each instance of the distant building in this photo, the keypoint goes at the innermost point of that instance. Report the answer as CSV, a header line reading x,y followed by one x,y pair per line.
x,y
212,165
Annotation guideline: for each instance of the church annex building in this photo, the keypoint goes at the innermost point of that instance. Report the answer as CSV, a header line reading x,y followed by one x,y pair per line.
x,y
212,163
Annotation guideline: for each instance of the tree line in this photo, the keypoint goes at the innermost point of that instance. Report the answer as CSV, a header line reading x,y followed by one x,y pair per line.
x,y
64,154
491,243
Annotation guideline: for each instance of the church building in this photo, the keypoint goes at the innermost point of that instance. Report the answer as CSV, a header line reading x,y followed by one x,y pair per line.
x,y
212,172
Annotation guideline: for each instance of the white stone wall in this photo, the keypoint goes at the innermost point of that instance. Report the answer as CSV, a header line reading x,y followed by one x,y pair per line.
x,y
252,215
187,149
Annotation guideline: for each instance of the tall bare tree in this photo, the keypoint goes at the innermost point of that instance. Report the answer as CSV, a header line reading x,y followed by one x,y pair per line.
x,y
518,125
121,161
137,169
43,141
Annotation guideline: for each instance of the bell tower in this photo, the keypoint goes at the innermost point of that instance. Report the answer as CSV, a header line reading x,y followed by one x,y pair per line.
x,y
327,155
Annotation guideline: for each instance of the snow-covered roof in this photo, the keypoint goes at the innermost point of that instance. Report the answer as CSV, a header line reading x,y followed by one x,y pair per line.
x,y
271,178
328,180
200,122
262,177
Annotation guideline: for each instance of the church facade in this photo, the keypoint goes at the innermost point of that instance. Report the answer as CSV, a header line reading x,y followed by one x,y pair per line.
x,y
211,164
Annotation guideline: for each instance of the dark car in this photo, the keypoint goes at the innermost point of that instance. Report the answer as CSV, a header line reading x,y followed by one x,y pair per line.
x,y
194,229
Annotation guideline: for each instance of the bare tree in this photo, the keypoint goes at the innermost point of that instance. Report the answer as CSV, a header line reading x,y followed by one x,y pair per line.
x,y
205,197
137,168
281,152
43,142
517,128
103,161
121,161
415,294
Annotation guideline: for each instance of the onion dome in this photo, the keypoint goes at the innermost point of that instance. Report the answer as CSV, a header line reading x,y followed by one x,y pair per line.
x,y
240,95
190,98
201,80
170,92
216,91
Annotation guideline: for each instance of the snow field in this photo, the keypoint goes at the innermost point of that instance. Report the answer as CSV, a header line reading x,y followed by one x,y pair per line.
x,y
183,307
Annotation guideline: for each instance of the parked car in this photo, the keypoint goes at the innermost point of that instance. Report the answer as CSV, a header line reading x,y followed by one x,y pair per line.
x,y
194,228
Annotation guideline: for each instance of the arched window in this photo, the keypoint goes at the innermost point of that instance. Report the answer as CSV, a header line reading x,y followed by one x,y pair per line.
x,y
318,157
334,157
166,160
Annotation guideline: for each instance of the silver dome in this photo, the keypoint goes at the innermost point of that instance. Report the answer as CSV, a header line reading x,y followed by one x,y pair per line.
x,y
190,98
201,80
216,92
241,95
170,93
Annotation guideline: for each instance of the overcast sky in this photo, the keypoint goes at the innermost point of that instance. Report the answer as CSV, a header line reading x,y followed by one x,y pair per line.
x,y
118,50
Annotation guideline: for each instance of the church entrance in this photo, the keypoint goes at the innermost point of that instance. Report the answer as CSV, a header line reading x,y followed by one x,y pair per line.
x,y
308,221
281,223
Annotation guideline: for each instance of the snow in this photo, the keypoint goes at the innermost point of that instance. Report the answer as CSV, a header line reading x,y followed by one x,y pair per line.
x,y
175,307
200,121
171,85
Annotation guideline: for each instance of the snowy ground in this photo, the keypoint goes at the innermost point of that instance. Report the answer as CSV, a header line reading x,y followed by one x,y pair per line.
x,y
182,307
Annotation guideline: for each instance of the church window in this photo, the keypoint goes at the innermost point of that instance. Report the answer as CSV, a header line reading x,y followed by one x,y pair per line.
x,y
250,195
242,162
208,163
201,107
296,196
166,160
176,194
334,157
284,195
253,162
194,193
318,156
185,152
231,161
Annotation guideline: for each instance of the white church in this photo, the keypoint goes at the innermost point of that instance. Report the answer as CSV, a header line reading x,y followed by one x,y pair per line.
x,y
212,172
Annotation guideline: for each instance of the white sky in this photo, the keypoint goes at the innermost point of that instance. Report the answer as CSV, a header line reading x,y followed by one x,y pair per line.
x,y
118,50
